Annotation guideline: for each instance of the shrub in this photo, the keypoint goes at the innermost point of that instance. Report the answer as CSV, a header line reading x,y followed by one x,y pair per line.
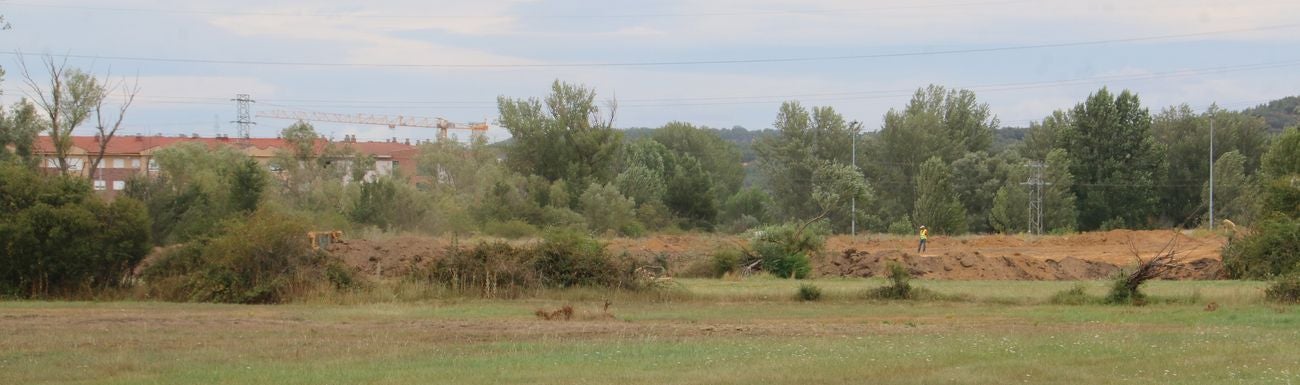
x,y
1075,295
512,229
1273,249
725,261
783,264
569,258
899,287
1121,293
489,269
785,249
57,238
808,292
262,259
902,226
605,208
1285,289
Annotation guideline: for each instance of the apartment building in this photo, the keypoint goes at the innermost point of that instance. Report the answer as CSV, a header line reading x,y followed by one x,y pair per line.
x,y
130,155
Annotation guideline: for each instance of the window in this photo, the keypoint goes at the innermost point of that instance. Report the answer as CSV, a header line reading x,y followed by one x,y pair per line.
x,y
100,185
119,185
119,163
51,163
74,164
153,165
135,163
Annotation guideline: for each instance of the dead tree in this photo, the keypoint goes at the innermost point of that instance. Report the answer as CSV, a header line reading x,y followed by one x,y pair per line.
x,y
105,132
1164,261
67,100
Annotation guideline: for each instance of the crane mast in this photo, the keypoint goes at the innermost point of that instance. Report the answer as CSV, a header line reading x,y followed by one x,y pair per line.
x,y
443,125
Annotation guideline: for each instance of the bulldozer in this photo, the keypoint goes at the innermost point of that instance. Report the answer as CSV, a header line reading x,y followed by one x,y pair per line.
x,y
323,239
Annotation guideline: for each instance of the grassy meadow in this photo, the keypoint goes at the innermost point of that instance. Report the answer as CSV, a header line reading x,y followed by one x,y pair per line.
x,y
701,331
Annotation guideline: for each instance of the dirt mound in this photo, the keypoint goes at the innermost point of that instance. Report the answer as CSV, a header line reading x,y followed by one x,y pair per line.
x,y
394,257
975,266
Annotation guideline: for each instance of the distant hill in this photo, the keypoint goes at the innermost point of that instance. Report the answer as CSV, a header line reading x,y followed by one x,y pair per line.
x,y
1279,114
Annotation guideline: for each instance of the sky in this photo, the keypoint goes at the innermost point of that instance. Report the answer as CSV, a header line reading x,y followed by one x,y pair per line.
x,y
720,63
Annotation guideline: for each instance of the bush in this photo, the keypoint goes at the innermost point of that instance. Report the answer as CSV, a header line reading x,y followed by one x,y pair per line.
x,y
564,258
57,238
901,227
1076,295
725,261
262,259
808,292
899,287
785,249
1285,289
783,264
512,229
1121,294
1273,249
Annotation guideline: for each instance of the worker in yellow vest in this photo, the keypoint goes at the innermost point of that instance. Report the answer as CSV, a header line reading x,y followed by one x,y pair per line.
x,y
924,233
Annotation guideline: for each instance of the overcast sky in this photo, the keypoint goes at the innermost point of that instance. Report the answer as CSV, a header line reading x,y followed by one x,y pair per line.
x,y
705,62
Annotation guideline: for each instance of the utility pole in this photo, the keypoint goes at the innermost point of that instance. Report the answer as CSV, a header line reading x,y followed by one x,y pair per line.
x,y
245,120
853,221
1036,184
1211,171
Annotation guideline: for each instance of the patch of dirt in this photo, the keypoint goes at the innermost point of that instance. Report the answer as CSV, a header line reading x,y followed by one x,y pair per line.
x,y
976,266
389,258
996,257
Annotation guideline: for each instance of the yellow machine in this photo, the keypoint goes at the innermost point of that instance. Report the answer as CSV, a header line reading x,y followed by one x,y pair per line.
x,y
323,239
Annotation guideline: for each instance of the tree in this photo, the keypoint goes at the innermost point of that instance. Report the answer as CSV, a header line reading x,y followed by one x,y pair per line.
x,y
1283,156
606,209
1009,213
721,159
568,140
1043,137
936,123
19,127
247,182
690,193
1059,211
67,101
645,171
803,141
936,205
834,186
1115,159
1186,138
979,178
1235,193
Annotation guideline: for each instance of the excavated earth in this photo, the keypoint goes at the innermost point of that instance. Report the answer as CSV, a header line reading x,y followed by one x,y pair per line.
x,y
1084,256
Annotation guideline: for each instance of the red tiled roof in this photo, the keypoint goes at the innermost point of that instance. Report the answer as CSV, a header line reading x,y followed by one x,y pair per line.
x,y
132,144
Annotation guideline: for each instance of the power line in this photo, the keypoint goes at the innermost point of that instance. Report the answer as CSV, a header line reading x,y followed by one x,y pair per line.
x,y
360,15
671,63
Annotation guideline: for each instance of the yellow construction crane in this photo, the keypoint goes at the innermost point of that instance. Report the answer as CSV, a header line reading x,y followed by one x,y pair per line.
x,y
443,125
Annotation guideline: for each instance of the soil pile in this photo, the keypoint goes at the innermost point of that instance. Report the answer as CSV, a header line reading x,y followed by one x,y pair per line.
x,y
394,257
976,266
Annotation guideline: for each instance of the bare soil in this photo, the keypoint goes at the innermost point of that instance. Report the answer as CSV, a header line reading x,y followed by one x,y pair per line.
x,y
1095,255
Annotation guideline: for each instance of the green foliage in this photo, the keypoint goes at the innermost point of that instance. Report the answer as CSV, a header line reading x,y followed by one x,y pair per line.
x,y
899,286
1122,294
1279,114
1282,197
808,292
690,193
979,178
57,238
1236,195
803,142
937,206
196,187
936,122
1115,159
569,139
655,216
1075,295
1185,135
1283,156
1285,289
388,204
902,226
785,249
512,229
719,158
264,258
1271,249
1009,212
750,201
834,186
726,260
19,127
1059,211
605,209
570,258
488,269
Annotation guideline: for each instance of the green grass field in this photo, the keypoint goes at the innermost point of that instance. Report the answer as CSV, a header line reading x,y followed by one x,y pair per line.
x,y
704,332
